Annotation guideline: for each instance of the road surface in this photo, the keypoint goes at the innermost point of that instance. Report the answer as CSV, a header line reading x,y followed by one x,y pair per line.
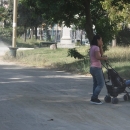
x,y
43,99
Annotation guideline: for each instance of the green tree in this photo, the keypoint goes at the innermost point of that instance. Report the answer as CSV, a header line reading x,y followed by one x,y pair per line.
x,y
24,16
78,11
103,25
9,12
118,11
28,18
2,15
69,11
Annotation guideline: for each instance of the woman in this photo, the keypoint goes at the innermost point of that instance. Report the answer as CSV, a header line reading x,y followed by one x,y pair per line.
x,y
96,53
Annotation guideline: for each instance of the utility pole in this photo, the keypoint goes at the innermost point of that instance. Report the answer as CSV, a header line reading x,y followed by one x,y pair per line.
x,y
14,23
13,49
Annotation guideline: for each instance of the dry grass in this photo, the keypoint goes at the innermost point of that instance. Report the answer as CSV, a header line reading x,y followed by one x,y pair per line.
x,y
119,58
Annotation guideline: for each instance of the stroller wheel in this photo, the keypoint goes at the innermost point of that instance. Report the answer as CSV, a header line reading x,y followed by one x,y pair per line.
x,y
107,99
114,100
126,97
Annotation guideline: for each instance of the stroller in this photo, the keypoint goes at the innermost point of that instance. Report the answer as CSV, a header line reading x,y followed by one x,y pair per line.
x,y
115,85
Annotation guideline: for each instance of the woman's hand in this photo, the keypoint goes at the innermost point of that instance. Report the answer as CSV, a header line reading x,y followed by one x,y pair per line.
x,y
101,50
99,57
105,57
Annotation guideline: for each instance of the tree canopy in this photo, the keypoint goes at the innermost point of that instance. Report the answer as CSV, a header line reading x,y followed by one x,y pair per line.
x,y
69,11
104,14
118,11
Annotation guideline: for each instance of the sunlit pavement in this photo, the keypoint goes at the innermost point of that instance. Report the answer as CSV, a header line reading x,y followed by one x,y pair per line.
x,y
43,99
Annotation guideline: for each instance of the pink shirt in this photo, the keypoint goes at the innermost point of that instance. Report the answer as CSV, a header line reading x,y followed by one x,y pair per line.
x,y
94,62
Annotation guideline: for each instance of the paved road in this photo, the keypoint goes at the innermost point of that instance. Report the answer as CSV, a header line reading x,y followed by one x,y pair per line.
x,y
41,99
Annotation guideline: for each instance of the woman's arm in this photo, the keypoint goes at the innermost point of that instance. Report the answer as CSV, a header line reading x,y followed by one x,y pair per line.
x,y
99,57
101,50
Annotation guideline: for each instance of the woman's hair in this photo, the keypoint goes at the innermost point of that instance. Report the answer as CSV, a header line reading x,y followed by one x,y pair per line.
x,y
94,40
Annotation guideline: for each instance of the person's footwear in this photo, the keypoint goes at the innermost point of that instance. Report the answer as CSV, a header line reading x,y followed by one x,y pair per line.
x,y
96,101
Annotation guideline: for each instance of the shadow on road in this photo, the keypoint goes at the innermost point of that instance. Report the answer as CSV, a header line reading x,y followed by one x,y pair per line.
x,y
37,98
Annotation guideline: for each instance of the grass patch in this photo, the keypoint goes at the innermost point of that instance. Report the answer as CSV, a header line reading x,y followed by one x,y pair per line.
x,y
30,43
119,58
45,57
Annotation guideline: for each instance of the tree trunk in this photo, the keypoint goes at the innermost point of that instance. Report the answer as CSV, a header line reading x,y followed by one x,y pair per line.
x,y
56,32
88,28
25,34
114,42
40,33
36,32
31,33
81,36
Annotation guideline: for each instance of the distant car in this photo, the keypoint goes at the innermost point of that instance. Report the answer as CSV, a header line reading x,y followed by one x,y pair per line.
x,y
85,42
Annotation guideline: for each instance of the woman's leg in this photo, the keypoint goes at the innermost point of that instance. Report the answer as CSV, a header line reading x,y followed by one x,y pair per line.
x,y
99,79
94,78
94,83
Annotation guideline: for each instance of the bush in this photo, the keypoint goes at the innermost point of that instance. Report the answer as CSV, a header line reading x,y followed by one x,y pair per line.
x,y
74,53
123,37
